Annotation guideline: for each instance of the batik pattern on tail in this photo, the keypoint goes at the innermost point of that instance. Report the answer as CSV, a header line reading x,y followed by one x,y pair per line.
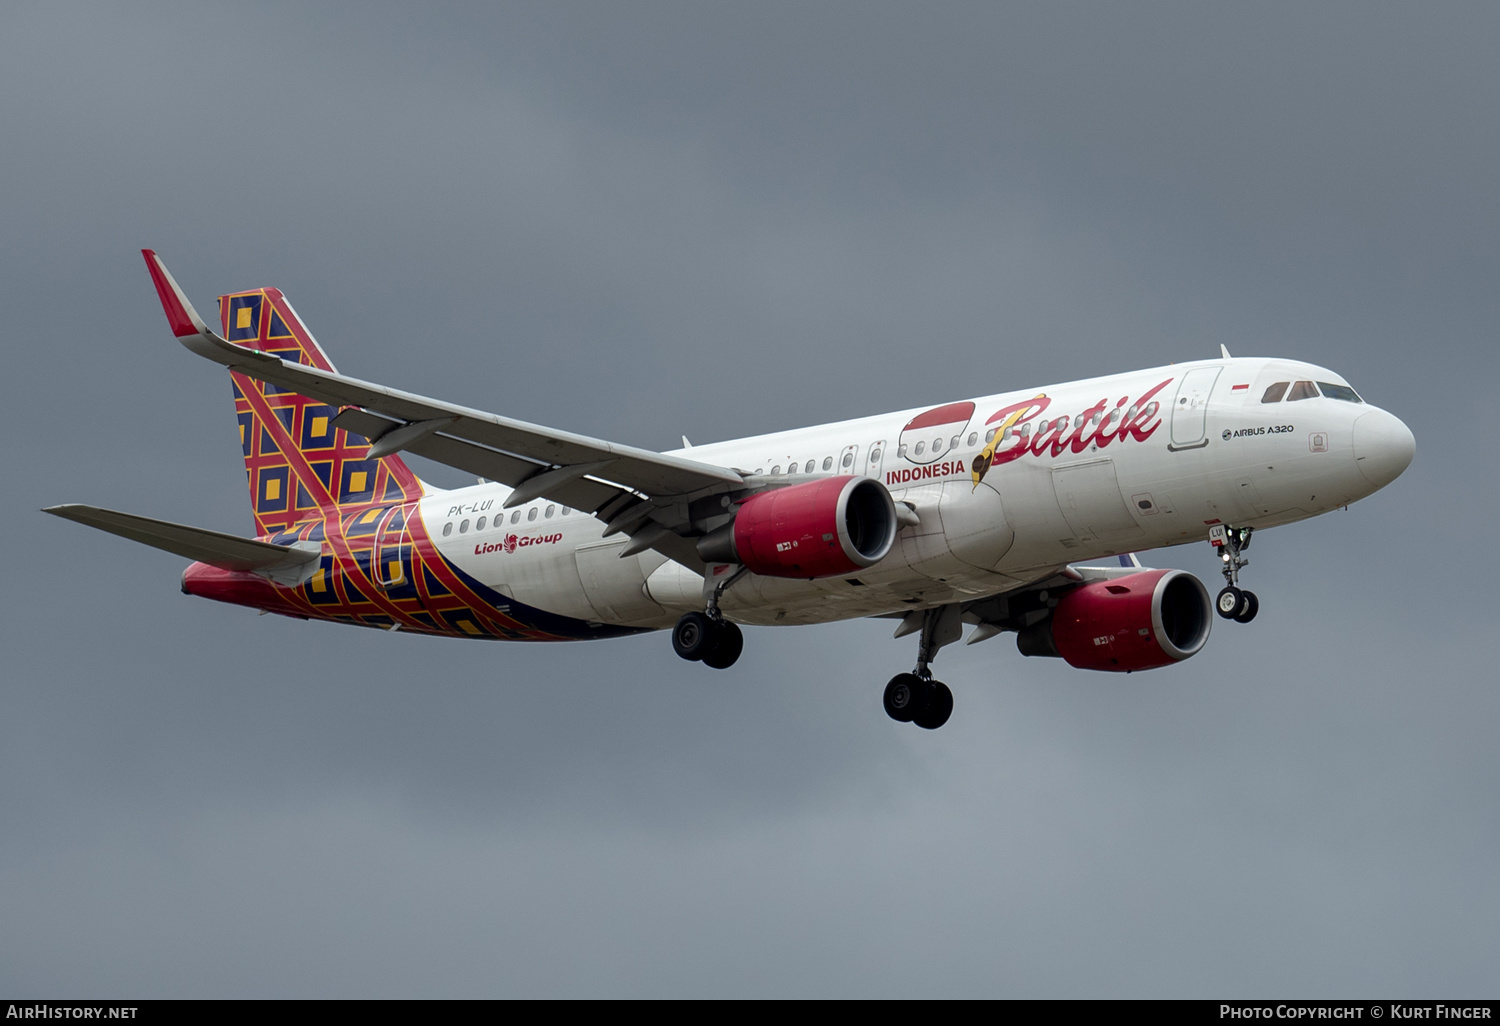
x,y
296,461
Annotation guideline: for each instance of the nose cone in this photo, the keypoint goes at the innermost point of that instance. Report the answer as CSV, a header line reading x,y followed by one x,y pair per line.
x,y
1383,447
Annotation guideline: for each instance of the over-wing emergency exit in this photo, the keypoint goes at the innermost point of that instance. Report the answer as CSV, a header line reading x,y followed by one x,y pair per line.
x,y
1016,512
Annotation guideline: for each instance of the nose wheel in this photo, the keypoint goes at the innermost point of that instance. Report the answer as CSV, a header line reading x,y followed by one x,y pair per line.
x,y
1233,603
1236,604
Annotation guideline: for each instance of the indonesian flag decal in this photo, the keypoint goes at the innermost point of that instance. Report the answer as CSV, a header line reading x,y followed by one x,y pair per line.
x,y
932,435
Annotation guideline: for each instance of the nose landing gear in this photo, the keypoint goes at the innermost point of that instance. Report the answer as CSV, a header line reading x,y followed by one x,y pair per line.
x,y
1233,603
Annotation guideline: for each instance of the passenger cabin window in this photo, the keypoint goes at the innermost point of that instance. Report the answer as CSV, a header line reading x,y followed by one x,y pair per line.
x,y
848,458
1341,392
479,524
551,510
447,529
1303,390
776,470
531,513
1275,392
973,437
827,462
515,517
811,466
874,455
463,527
920,447
989,436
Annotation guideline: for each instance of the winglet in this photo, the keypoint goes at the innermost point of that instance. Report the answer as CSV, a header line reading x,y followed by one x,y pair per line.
x,y
180,313
189,327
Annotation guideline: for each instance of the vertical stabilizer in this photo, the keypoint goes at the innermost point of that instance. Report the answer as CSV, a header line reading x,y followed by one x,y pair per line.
x,y
297,462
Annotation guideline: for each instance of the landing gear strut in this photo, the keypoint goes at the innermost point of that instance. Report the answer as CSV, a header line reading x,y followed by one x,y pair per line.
x,y
707,637
1233,603
915,697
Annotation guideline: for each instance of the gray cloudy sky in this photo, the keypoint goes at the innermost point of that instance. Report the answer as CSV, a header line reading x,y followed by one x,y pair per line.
x,y
643,220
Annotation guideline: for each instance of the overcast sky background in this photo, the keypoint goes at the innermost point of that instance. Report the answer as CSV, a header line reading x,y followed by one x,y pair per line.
x,y
644,220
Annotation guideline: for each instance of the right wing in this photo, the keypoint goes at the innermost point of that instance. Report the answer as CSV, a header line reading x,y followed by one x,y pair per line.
x,y
642,493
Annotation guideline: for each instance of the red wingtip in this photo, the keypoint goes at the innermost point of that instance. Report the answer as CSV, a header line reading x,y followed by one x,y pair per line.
x,y
171,299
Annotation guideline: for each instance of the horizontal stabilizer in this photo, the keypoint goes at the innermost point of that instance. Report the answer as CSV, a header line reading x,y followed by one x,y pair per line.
x,y
289,565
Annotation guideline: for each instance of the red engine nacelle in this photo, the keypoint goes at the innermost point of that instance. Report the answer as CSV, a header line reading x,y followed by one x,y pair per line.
x,y
1138,622
821,528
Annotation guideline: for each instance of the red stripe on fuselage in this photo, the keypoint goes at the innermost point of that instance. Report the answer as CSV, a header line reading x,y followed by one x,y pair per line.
x,y
953,413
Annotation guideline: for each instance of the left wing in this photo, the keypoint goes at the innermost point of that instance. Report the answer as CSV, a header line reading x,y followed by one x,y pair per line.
x,y
642,493
290,565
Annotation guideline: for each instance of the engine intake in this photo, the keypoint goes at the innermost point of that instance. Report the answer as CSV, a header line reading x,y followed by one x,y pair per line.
x,y
1137,622
821,528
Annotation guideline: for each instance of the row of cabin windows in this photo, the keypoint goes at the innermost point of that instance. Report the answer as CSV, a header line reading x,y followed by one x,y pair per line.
x,y
845,465
515,518
1274,394
1307,390
1110,418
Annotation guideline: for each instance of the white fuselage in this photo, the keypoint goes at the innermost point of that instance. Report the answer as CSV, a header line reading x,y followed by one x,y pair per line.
x,y
1118,476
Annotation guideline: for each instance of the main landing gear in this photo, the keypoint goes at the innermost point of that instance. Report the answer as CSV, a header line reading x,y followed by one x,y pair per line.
x,y
921,700
1233,603
915,697
707,637
715,643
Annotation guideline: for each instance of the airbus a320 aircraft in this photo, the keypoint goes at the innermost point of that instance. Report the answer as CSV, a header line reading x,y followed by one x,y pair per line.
x,y
986,511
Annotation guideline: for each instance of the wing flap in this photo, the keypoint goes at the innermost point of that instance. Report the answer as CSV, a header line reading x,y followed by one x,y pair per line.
x,y
285,564
490,464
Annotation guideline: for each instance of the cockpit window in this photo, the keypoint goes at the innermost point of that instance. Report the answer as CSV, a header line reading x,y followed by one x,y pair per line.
x,y
1343,392
1275,392
1303,390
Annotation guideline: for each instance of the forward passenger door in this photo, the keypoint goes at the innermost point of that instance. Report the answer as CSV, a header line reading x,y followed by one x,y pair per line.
x,y
1190,410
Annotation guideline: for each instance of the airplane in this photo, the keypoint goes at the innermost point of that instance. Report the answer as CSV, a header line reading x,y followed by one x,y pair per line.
x,y
1019,512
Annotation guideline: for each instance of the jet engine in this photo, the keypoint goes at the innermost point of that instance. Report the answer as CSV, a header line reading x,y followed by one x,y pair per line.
x,y
822,528
1137,622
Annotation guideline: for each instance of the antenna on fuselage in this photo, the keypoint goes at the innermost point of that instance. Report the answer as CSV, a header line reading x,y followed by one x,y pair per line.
x,y
1225,350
